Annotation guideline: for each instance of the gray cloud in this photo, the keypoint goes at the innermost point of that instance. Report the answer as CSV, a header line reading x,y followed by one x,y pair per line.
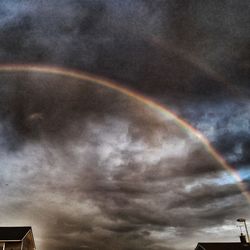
x,y
90,168
96,169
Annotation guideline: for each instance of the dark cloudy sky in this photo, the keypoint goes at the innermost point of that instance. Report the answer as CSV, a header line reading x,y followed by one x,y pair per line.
x,y
90,168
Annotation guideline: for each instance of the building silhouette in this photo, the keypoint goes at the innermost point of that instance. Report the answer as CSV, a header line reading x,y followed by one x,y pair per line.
x,y
242,245
16,238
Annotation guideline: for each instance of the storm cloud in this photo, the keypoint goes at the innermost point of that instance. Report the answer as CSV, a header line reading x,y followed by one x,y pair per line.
x,y
91,168
83,166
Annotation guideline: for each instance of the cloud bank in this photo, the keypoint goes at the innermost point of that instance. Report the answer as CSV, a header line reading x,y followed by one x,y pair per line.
x,y
93,169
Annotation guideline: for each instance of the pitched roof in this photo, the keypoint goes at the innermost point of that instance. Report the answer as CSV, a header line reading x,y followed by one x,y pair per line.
x,y
13,233
223,246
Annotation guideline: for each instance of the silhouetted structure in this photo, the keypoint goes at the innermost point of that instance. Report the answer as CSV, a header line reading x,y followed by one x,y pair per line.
x,y
222,246
16,238
242,245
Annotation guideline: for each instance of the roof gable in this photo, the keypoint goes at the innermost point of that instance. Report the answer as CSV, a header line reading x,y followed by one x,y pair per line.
x,y
223,246
13,233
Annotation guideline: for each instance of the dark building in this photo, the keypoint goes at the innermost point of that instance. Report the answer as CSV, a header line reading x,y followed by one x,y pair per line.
x,y
222,246
242,245
16,238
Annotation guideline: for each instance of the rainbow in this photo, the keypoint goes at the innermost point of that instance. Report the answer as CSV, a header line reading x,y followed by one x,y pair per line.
x,y
155,106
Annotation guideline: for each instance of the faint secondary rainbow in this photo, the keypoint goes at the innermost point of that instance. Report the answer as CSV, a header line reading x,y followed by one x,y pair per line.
x,y
138,97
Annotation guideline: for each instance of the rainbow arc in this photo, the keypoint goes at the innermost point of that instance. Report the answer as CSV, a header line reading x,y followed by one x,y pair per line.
x,y
155,106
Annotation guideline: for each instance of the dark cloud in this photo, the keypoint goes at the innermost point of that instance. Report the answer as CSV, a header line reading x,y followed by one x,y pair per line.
x,y
103,36
91,168
102,169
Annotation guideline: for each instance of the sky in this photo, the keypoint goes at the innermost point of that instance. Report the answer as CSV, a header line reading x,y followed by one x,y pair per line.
x,y
89,167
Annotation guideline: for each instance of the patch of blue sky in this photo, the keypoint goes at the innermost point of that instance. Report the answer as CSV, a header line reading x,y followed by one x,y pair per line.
x,y
224,179
227,178
244,173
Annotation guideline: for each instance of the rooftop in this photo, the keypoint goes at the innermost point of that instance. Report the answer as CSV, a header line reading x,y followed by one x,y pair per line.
x,y
13,233
223,246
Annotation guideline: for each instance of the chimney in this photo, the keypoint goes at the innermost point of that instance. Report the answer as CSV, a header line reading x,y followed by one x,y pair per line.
x,y
243,238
